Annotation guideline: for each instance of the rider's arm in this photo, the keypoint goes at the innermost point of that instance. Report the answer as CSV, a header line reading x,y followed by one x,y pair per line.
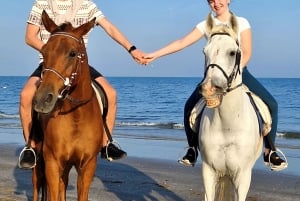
x,y
119,37
177,45
246,46
31,37
114,32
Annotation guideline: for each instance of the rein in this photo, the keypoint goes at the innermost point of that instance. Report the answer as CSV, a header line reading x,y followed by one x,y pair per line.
x,y
68,81
236,69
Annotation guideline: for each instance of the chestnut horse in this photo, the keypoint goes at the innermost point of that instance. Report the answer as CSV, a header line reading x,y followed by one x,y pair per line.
x,y
68,113
229,137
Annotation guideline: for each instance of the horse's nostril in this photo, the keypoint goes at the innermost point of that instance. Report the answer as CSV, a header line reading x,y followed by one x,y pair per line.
x,y
34,101
49,98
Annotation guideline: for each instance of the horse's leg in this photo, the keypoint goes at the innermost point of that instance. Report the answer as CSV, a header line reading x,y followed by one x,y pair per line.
x,y
62,190
209,180
242,183
63,184
38,176
38,180
35,183
38,173
85,177
52,176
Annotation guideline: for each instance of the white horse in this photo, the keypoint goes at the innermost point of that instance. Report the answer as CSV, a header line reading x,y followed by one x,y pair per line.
x,y
229,137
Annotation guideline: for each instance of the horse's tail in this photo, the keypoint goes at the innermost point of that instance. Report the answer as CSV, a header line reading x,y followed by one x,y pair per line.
x,y
225,189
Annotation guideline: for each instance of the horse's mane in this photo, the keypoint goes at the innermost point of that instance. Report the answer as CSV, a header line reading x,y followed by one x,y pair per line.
x,y
64,27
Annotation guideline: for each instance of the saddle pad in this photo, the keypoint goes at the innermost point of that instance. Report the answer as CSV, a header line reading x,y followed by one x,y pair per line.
x,y
262,108
97,92
195,114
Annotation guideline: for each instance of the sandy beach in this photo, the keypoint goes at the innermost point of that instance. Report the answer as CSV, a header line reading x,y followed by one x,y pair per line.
x,y
138,179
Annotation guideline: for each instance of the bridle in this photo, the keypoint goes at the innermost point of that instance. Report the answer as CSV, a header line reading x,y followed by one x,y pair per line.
x,y
236,69
67,80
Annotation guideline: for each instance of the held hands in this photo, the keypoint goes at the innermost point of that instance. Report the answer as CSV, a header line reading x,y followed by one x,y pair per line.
x,y
138,55
141,57
149,58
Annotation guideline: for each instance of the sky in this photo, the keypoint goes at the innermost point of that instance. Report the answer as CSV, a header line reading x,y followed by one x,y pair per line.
x,y
151,24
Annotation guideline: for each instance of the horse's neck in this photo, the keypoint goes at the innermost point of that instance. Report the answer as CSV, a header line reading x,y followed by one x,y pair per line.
x,y
83,88
233,103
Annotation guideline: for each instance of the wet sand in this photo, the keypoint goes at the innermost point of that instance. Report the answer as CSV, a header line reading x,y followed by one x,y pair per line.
x,y
138,179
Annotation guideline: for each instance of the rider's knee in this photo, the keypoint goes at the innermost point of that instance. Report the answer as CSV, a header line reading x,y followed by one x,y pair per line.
x,y
26,97
112,95
27,93
273,105
110,92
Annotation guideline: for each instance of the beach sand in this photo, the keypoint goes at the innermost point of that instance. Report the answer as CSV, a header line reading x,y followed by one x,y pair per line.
x,y
138,179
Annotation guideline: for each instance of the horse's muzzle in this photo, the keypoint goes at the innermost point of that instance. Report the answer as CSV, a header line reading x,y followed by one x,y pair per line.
x,y
44,103
213,95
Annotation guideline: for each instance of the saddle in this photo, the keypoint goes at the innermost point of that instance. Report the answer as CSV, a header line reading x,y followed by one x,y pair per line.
x,y
101,97
261,109
103,104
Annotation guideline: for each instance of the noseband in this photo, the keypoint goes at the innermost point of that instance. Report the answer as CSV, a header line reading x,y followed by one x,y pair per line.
x,y
236,69
66,80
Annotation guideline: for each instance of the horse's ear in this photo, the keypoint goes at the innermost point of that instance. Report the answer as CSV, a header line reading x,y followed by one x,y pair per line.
x,y
48,22
234,23
84,28
209,23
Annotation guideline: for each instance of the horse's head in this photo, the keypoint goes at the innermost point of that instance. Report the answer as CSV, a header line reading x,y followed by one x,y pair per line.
x,y
222,61
64,59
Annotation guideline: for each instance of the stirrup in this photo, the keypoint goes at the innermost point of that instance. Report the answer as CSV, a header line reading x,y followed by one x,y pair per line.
x,y
26,148
114,142
275,167
183,153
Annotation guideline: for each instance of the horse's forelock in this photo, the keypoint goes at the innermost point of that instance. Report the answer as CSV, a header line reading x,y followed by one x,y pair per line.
x,y
224,29
64,27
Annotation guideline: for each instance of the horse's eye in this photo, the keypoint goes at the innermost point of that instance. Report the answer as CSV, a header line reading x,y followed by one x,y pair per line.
x,y
72,53
232,53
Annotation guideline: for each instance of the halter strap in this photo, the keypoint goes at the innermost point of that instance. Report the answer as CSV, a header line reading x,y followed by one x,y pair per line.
x,y
65,34
67,80
236,69
226,34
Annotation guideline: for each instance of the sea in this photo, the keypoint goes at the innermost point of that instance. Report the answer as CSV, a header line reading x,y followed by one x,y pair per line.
x,y
149,120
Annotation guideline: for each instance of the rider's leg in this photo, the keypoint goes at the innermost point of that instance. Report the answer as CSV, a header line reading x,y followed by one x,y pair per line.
x,y
257,88
27,157
192,137
191,156
109,151
25,107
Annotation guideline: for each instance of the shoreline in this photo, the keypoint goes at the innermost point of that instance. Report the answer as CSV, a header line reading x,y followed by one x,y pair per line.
x,y
138,178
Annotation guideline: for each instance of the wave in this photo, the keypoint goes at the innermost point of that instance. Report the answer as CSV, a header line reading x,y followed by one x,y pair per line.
x,y
10,125
150,137
8,116
289,134
12,121
173,125
169,125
